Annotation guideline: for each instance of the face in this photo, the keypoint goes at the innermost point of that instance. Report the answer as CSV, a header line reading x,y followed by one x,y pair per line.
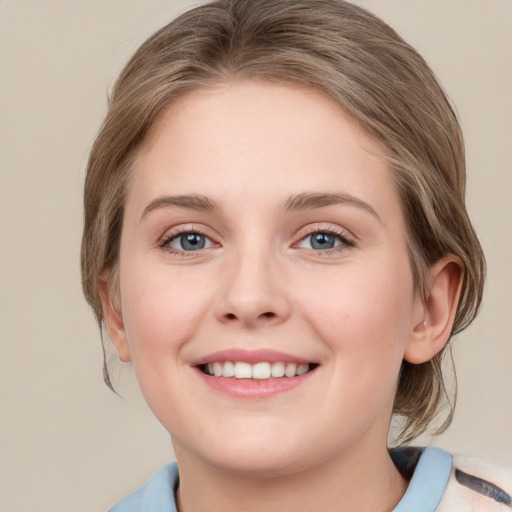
x,y
263,236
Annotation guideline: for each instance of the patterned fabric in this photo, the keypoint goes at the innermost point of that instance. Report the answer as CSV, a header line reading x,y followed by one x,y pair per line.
x,y
476,486
470,486
483,487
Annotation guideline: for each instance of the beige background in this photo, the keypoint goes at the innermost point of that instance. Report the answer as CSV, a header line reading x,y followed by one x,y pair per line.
x,y
69,444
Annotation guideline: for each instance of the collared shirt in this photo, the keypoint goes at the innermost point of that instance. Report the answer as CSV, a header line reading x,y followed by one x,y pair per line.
x,y
437,484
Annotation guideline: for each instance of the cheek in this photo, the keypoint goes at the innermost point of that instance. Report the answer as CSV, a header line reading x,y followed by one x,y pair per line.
x,y
161,311
364,313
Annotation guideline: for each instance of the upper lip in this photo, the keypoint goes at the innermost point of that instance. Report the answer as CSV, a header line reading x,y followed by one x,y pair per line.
x,y
250,356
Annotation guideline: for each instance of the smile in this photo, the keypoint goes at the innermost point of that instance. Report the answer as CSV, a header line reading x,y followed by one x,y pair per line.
x,y
259,371
254,374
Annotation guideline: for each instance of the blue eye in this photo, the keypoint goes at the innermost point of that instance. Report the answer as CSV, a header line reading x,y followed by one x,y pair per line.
x,y
322,241
325,240
188,241
192,241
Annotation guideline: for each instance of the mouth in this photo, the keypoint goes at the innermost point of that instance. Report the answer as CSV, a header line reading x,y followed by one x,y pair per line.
x,y
263,370
254,374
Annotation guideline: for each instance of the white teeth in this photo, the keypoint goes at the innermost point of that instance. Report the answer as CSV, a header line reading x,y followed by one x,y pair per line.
x,y
277,370
228,369
302,369
243,371
290,370
217,369
260,371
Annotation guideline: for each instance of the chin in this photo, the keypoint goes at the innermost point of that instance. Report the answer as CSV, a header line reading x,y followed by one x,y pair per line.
x,y
256,455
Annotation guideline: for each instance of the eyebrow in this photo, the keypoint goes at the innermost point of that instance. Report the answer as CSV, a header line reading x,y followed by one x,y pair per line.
x,y
191,202
311,200
303,201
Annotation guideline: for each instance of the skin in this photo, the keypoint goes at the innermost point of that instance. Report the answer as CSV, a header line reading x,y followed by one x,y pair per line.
x,y
259,284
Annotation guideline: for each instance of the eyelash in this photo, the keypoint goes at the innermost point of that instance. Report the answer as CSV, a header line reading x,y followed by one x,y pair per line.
x,y
177,234
346,241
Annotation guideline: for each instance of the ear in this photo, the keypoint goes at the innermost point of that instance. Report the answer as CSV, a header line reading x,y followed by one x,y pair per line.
x,y
433,319
113,318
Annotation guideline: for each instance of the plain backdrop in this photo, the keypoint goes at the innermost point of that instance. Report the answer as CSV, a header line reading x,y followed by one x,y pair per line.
x,y
69,444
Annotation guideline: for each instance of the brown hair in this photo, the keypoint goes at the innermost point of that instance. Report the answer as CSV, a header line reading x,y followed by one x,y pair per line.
x,y
358,61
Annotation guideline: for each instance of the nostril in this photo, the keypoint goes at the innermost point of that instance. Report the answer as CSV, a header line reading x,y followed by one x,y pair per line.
x,y
233,316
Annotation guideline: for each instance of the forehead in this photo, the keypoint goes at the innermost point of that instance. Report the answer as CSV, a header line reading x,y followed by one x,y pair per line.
x,y
259,138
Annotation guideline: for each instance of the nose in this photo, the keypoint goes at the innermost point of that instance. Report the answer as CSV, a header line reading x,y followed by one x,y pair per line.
x,y
254,293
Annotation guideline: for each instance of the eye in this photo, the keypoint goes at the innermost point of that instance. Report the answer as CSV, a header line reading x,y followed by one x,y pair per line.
x,y
188,241
325,240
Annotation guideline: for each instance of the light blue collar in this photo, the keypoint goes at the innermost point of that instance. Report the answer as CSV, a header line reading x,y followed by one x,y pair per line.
x,y
424,493
428,483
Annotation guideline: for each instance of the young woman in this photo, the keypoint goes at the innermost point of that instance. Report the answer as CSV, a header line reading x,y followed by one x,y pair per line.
x,y
275,236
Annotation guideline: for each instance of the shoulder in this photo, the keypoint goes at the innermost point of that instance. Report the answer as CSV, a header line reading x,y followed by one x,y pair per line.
x,y
446,483
475,485
156,495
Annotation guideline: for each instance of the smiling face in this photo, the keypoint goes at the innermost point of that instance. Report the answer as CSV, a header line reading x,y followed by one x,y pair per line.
x,y
266,298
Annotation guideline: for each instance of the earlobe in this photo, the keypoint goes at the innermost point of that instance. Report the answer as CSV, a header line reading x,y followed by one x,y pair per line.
x,y
113,320
434,318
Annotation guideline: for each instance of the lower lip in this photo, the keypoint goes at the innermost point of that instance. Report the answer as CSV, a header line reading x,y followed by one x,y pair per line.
x,y
254,388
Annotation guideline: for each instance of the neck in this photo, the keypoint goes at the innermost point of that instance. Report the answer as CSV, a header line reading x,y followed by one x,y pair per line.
x,y
355,484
